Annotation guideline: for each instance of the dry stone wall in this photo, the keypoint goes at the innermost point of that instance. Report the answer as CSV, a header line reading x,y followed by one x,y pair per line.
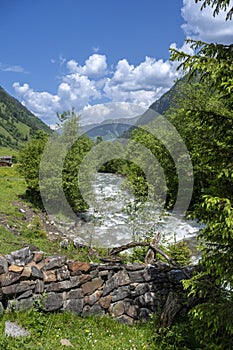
x,y
128,292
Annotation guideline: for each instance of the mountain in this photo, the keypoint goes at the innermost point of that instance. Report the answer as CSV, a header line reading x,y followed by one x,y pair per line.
x,y
122,127
161,105
109,129
17,123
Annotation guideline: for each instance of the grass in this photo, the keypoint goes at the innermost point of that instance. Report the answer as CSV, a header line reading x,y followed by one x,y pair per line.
x,y
48,329
12,187
87,333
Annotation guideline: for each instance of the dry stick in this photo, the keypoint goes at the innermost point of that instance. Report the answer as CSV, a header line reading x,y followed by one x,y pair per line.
x,y
117,250
150,255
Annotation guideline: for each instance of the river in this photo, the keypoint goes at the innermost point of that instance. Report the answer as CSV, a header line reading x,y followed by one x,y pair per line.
x,y
113,220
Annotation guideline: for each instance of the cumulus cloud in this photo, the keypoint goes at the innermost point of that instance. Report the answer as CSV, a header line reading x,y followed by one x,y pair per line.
x,y
95,66
203,26
109,111
93,83
140,84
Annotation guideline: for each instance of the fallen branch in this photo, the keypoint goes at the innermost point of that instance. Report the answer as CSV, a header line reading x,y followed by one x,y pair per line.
x,y
154,248
120,249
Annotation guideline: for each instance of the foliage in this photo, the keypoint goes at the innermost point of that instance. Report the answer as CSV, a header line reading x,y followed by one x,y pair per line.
x,y
47,330
179,336
213,62
66,147
180,253
219,5
29,163
17,123
212,155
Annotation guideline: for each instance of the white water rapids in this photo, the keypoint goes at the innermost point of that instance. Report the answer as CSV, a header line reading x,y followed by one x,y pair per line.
x,y
109,223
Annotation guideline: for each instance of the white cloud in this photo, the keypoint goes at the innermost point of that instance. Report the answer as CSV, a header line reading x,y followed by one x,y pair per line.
x,y
91,83
203,26
109,111
43,104
13,68
95,49
95,66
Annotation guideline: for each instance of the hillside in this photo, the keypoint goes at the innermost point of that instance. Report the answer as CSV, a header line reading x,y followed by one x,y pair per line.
x,y
17,123
161,105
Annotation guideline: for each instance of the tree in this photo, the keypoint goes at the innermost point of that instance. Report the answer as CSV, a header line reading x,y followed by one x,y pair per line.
x,y
212,63
218,6
50,166
29,161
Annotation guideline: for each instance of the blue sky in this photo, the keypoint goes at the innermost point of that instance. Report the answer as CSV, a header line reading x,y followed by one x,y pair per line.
x,y
64,53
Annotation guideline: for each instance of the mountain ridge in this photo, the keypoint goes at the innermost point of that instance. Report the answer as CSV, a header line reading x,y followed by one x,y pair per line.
x,y
17,123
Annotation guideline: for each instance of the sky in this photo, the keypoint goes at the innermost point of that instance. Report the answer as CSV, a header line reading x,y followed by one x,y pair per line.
x,y
59,54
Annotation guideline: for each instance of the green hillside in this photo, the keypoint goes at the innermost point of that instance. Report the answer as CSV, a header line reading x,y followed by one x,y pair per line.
x,y
17,123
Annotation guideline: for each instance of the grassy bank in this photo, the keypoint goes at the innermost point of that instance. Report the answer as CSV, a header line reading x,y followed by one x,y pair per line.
x,y
21,224
47,331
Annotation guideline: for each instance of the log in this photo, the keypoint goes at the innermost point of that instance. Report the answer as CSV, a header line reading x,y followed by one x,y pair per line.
x,y
154,248
170,309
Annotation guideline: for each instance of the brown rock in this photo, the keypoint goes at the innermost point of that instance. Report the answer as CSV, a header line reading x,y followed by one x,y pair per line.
x,y
90,287
38,256
40,265
78,266
49,276
26,272
9,278
105,301
15,268
18,288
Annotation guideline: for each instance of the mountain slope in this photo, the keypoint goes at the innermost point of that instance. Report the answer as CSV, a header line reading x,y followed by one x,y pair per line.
x,y
161,105
17,123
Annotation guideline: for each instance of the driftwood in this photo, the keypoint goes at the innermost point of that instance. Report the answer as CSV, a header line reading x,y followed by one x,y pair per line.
x,y
170,309
150,255
155,249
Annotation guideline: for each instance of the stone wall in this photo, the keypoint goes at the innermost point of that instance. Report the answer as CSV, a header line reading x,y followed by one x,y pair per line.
x,y
127,292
